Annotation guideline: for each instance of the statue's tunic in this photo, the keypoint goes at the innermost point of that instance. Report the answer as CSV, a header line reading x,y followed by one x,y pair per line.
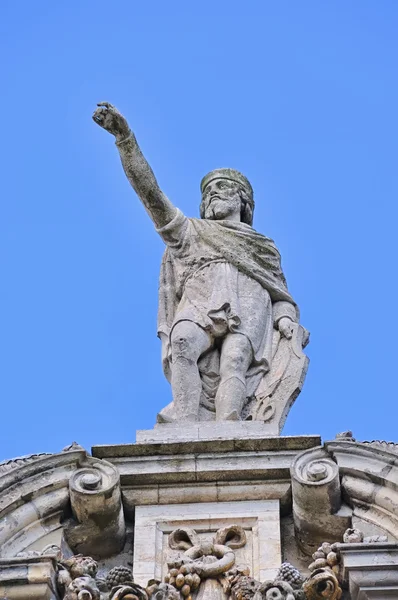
x,y
225,277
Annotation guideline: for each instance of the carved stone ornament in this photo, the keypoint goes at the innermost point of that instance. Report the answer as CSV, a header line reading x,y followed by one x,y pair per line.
x,y
76,578
318,508
274,590
356,536
322,585
231,340
82,588
164,591
280,387
15,463
204,567
291,575
98,527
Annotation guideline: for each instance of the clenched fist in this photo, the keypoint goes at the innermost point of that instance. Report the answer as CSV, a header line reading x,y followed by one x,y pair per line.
x,y
109,118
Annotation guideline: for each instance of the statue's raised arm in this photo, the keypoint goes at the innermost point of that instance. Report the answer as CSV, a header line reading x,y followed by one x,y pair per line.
x,y
137,169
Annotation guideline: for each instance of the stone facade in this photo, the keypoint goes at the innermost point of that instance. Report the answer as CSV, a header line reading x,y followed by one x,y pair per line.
x,y
226,518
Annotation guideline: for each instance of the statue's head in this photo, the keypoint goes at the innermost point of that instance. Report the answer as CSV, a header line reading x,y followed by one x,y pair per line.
x,y
226,193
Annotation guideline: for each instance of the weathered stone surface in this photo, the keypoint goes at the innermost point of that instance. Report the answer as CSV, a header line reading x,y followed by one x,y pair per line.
x,y
9,465
231,343
203,560
205,461
259,521
280,387
238,491
33,500
294,443
36,494
318,509
322,585
33,578
223,430
98,528
369,478
278,590
370,570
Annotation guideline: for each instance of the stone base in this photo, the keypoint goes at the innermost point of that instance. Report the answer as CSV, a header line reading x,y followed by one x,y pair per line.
x,y
229,474
211,430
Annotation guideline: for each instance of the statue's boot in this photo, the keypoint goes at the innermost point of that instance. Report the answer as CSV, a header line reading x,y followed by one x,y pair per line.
x,y
171,414
231,395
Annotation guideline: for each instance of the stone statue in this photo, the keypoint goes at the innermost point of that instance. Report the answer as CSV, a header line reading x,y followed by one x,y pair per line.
x,y
222,293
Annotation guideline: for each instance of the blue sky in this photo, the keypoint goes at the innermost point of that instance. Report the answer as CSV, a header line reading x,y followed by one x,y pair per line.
x,y
301,96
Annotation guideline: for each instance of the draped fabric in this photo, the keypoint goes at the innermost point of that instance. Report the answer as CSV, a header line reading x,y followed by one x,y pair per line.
x,y
220,270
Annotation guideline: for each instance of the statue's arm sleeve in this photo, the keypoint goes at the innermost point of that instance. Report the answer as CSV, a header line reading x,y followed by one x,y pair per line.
x,y
281,309
144,182
174,233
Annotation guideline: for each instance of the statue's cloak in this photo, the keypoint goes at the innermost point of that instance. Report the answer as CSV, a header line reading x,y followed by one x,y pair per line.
x,y
237,243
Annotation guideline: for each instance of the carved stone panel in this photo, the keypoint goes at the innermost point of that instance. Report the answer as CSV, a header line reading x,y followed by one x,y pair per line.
x,y
259,519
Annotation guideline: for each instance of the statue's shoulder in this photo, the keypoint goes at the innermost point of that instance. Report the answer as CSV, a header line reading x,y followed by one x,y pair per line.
x,y
231,227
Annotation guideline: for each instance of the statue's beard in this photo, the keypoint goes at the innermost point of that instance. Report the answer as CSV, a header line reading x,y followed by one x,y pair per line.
x,y
219,209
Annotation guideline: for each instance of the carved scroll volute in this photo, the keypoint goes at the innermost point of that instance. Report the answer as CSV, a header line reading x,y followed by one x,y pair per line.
x,y
322,585
274,590
317,504
183,539
98,528
233,536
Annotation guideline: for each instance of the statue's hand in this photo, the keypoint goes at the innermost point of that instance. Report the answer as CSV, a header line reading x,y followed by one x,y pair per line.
x,y
285,326
109,118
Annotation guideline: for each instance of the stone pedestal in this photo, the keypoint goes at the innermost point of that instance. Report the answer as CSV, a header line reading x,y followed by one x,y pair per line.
x,y
205,485
223,430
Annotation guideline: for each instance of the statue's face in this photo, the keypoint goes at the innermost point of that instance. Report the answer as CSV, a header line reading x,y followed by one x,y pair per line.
x,y
221,199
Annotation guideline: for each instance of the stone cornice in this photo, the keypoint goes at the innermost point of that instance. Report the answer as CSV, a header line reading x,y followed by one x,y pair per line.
x,y
297,443
370,570
33,578
205,461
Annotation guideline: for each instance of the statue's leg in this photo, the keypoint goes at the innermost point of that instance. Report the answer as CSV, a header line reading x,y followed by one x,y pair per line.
x,y
236,357
188,343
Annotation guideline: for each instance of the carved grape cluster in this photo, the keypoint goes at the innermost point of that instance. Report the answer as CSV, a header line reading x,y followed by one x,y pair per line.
x,y
244,588
325,556
183,581
290,574
119,576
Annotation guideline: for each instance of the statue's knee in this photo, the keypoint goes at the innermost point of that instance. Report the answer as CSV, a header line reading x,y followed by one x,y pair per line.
x,y
184,343
234,363
236,359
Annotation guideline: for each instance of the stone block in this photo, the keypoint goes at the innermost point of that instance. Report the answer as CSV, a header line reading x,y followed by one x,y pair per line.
x,y
33,578
260,520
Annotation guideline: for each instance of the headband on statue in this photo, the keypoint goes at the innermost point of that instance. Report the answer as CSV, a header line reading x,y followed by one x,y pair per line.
x,y
229,174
